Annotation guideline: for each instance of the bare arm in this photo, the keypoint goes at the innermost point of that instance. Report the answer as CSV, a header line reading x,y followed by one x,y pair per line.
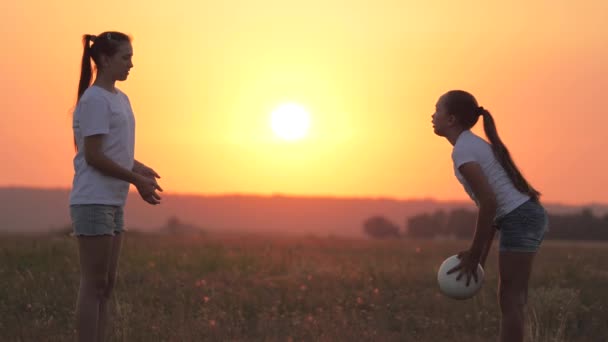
x,y
486,248
137,166
96,158
144,170
484,230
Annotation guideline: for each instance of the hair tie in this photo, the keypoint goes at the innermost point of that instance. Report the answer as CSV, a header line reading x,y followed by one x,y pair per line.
x,y
89,40
481,110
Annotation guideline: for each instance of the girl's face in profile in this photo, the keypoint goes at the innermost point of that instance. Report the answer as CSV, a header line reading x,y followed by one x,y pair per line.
x,y
120,63
441,119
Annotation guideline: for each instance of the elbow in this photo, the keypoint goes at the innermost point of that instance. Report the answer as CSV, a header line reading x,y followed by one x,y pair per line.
x,y
489,204
91,159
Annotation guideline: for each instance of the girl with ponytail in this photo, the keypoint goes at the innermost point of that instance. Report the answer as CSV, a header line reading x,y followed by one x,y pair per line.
x,y
505,199
104,167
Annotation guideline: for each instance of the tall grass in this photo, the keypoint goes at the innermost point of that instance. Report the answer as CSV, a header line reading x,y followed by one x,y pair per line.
x,y
261,288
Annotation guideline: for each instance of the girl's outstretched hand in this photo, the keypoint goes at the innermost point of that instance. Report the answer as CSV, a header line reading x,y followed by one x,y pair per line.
x,y
147,187
146,171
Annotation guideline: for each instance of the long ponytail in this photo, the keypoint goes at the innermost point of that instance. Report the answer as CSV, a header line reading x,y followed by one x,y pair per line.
x,y
106,43
86,69
464,107
504,157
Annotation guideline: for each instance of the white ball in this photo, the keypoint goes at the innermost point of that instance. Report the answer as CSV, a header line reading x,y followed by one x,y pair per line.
x,y
457,289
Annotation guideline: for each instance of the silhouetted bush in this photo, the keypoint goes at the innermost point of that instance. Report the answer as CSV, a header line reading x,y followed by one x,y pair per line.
x,y
175,226
380,228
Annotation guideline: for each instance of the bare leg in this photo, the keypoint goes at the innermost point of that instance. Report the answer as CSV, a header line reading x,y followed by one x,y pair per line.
x,y
515,269
94,264
112,272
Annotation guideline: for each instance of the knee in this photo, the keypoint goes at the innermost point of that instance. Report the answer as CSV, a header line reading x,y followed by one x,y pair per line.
x,y
95,286
109,286
511,300
100,287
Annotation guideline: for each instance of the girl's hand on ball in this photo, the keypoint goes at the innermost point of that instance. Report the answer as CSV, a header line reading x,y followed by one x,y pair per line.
x,y
468,266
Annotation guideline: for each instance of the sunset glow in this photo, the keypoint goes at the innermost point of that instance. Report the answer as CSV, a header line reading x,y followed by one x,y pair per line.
x,y
290,121
208,76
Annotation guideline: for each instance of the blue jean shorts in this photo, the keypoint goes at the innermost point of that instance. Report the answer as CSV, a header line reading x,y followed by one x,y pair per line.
x,y
97,219
523,229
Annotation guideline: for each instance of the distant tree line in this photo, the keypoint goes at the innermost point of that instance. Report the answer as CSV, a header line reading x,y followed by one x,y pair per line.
x,y
460,224
380,228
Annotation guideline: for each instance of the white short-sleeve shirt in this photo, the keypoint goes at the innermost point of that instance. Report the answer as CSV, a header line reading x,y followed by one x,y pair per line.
x,y
103,112
472,148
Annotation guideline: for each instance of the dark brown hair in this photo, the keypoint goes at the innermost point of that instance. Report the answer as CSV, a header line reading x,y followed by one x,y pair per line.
x,y
464,107
107,44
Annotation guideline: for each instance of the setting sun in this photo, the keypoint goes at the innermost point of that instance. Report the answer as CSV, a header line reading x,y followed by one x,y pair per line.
x,y
342,106
290,121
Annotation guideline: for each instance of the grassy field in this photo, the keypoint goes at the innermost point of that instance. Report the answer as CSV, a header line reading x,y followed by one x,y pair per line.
x,y
256,288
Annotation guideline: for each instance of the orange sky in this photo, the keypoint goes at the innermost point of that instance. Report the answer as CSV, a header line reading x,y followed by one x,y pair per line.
x,y
207,75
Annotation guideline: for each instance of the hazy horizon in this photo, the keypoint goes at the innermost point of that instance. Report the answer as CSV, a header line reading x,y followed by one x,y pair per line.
x,y
465,201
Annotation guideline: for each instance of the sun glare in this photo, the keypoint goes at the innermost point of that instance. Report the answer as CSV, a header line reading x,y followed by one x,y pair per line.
x,y
290,121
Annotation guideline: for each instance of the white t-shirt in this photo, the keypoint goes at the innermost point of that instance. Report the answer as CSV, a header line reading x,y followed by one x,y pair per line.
x,y
471,148
102,112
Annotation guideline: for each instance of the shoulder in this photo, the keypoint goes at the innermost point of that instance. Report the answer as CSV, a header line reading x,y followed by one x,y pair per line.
x,y
468,138
92,95
121,93
92,103
467,148
464,142
122,97
470,141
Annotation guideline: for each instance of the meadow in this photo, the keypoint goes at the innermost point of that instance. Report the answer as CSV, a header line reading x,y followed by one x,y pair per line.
x,y
247,287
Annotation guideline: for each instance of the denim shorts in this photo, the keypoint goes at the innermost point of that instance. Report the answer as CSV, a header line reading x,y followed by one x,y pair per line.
x,y
523,229
97,219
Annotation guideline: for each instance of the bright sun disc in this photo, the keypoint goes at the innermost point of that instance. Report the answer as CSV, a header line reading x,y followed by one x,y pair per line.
x,y
290,121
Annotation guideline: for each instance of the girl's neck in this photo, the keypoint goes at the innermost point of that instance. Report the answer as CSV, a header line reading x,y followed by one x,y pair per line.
x,y
105,82
452,136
